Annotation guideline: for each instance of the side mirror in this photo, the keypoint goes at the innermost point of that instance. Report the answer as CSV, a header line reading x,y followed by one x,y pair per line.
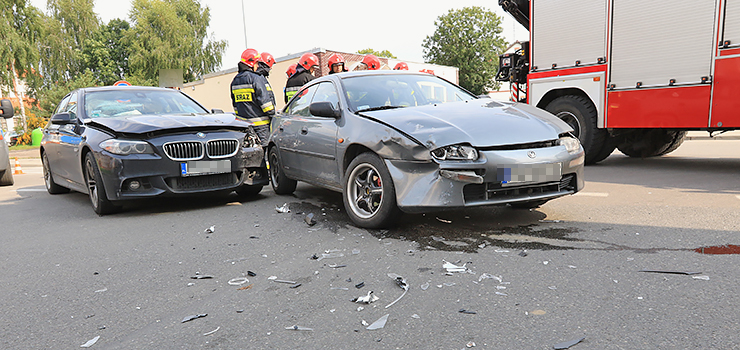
x,y
6,109
324,109
217,111
62,119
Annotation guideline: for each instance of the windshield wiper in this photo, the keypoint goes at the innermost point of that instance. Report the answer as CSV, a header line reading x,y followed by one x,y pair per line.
x,y
379,108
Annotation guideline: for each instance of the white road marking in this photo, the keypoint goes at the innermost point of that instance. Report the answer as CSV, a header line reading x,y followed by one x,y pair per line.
x,y
738,196
31,190
592,194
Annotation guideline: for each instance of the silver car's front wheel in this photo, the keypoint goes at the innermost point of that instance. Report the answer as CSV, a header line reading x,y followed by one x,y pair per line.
x,y
369,195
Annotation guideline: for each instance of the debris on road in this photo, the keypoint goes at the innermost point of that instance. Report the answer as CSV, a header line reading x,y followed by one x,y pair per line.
x,y
706,278
284,281
251,274
335,266
272,278
309,219
415,316
360,285
339,288
523,253
424,286
380,323
90,342
672,272
450,267
101,290
238,281
486,275
283,209
245,287
193,317
295,285
298,328
200,277
211,332
568,344
443,220
470,344
401,282
369,298
211,229
463,311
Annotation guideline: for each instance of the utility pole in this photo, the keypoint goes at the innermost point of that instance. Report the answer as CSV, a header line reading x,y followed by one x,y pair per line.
x,y
244,23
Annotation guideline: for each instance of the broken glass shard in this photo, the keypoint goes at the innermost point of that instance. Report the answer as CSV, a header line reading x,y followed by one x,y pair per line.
x,y
450,267
380,323
568,344
90,342
193,317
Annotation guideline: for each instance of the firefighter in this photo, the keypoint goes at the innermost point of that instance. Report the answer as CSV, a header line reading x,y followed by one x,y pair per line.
x,y
250,96
307,65
336,63
291,70
369,62
401,66
265,64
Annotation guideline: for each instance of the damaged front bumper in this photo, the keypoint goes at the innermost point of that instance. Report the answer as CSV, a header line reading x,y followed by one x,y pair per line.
x,y
496,178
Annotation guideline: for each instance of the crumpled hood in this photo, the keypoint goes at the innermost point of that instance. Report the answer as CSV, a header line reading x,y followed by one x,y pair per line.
x,y
480,122
140,124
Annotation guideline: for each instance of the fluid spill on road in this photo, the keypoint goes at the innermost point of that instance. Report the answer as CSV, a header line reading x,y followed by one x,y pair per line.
x,y
720,249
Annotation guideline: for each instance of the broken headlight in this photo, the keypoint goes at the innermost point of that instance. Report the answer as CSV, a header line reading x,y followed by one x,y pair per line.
x,y
455,152
124,147
572,145
251,139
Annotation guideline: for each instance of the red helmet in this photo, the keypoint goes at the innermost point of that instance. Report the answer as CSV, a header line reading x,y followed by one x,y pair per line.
x,y
250,57
291,70
401,66
372,62
335,58
267,58
308,60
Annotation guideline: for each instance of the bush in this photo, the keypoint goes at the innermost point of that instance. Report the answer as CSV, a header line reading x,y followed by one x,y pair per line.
x,y
33,122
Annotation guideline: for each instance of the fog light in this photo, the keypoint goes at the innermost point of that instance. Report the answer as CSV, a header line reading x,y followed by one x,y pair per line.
x,y
462,176
134,185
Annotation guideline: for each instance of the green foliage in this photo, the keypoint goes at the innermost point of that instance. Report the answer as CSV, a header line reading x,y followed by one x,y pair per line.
x,y
471,40
106,54
52,95
20,30
34,122
384,53
171,34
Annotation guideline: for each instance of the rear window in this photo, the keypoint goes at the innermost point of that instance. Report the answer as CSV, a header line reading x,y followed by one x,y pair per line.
x,y
117,103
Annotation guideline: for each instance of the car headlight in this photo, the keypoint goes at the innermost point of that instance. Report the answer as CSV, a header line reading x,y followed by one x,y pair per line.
x,y
455,152
124,147
251,139
572,145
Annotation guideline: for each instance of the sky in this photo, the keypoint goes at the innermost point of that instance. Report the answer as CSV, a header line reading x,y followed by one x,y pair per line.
x,y
285,27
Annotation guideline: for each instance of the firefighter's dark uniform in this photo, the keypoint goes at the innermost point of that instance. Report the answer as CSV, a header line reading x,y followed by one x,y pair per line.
x,y
253,100
296,81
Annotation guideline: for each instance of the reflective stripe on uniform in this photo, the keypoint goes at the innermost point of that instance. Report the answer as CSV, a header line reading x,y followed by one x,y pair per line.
x,y
267,107
293,89
242,95
261,122
269,88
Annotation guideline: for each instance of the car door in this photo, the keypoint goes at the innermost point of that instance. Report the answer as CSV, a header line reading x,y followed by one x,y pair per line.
x,y
51,148
69,144
288,129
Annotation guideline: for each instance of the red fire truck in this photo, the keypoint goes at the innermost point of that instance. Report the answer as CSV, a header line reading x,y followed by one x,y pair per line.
x,y
629,74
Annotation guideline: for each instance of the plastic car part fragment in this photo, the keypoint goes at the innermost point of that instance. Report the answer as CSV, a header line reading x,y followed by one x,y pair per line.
x,y
401,282
369,298
298,328
568,344
672,272
90,342
192,317
450,267
380,323
283,209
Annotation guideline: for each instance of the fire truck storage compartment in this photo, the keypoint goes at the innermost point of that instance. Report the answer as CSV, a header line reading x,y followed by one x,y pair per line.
x,y
564,34
654,42
731,26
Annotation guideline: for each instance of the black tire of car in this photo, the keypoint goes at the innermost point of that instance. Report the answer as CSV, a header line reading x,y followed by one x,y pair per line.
x,y
249,190
386,211
7,177
528,205
581,115
610,144
51,186
95,188
652,143
281,184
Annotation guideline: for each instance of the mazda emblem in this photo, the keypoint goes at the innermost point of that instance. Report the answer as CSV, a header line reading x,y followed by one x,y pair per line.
x,y
202,135
531,154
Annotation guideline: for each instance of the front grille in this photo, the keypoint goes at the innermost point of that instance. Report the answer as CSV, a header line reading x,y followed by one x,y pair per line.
x,y
222,148
493,191
204,182
185,150
539,144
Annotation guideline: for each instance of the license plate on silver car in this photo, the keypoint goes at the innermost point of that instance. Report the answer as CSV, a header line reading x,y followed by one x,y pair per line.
x,y
511,175
205,167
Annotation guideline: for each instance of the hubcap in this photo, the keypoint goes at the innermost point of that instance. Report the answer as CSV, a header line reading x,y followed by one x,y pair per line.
x,y
365,191
275,177
47,173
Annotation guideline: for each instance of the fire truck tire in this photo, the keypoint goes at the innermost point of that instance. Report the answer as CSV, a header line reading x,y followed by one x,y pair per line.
x,y
610,144
651,143
581,115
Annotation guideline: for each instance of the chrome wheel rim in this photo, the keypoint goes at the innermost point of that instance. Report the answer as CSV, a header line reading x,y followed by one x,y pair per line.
x,y
274,164
47,173
92,184
365,192
572,120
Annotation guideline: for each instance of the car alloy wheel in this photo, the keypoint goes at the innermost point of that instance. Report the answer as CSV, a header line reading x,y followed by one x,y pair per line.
x,y
280,183
51,186
369,194
95,187
365,191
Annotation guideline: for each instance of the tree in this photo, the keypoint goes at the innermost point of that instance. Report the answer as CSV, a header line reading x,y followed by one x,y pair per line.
x,y
469,39
106,54
384,53
171,34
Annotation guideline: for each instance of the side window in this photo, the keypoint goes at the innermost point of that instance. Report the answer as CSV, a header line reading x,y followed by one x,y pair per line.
x,y
72,105
62,105
327,93
301,102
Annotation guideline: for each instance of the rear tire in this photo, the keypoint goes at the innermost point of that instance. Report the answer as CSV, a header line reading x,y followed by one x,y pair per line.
x,y
581,115
281,184
7,177
651,142
368,192
51,186
96,189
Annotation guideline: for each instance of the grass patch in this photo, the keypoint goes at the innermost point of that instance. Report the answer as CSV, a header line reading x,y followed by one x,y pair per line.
x,y
22,147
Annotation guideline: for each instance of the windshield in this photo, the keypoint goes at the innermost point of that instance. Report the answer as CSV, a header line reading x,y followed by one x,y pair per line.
x,y
117,103
373,92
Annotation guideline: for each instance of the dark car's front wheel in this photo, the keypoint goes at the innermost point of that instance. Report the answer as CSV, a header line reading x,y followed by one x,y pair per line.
x,y
368,192
96,189
249,190
51,186
280,183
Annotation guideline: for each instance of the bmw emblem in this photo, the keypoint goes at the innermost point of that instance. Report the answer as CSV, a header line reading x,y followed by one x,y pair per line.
x,y
531,154
202,136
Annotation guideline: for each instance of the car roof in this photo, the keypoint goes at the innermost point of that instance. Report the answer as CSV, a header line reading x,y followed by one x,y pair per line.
x,y
124,88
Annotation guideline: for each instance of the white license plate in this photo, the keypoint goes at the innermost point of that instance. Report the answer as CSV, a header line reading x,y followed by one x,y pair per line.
x,y
205,167
528,173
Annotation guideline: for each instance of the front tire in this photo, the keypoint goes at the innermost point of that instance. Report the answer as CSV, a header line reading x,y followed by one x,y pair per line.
x,y
581,115
7,177
281,184
368,192
51,186
95,188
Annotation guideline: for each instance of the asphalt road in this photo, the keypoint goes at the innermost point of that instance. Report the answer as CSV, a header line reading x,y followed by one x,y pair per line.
x,y
567,270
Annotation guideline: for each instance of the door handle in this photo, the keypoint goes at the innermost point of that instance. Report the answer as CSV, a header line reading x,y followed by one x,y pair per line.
x,y
304,131
281,129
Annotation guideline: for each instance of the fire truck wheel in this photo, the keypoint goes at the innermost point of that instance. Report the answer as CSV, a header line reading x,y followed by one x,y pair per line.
x,y
581,115
651,142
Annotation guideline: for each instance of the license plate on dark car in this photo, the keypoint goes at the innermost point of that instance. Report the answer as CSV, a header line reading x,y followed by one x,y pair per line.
x,y
205,167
